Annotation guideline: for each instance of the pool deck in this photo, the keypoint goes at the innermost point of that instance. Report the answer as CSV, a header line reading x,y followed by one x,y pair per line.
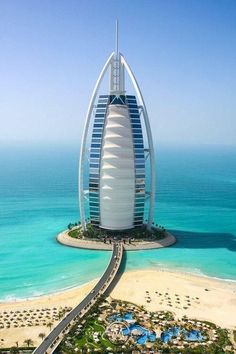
x,y
67,240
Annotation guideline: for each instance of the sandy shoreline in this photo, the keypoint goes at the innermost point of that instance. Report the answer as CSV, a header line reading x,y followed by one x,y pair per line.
x,y
216,304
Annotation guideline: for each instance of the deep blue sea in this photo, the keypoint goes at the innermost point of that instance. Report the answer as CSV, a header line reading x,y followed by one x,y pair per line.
x,y
195,199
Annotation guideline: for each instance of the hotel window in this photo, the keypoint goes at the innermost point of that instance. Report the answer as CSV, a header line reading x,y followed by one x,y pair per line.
x,y
94,175
94,150
138,221
101,105
97,130
93,185
141,205
94,204
138,215
140,199
94,216
139,151
95,156
94,165
94,190
94,180
94,170
139,154
140,170
137,131
140,176
141,192
97,125
138,146
96,135
95,145
139,180
92,195
140,186
94,161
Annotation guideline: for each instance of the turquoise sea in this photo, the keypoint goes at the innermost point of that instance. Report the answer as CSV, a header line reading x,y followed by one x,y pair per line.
x,y
195,199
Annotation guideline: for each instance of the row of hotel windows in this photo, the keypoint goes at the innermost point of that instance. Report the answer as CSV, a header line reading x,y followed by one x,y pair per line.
x,y
139,170
135,122
136,146
96,143
135,125
98,140
96,175
138,155
99,135
95,185
139,198
94,212
96,148
138,165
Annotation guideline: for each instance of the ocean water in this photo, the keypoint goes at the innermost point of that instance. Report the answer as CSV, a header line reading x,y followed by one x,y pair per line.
x,y
195,199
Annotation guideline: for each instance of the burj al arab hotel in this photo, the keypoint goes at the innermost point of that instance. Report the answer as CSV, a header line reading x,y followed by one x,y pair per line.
x,y
118,183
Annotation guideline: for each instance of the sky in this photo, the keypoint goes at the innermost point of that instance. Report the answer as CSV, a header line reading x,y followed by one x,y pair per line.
x,y
183,54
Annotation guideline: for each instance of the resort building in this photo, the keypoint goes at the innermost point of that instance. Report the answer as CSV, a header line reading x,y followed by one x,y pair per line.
x,y
118,184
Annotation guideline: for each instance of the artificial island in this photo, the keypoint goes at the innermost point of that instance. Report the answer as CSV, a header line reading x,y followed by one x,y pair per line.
x,y
121,168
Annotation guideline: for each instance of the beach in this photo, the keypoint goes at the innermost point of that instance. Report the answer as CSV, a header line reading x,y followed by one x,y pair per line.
x,y
184,294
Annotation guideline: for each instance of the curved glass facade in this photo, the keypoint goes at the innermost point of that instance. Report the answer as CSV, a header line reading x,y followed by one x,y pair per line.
x,y
135,157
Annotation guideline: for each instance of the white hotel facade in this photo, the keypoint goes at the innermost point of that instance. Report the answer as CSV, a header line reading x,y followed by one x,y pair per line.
x,y
117,163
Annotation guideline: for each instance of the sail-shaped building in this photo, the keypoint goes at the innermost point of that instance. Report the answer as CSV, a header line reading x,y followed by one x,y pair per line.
x,y
118,185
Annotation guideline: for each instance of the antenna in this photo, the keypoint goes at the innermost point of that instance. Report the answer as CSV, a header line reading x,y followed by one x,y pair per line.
x,y
117,37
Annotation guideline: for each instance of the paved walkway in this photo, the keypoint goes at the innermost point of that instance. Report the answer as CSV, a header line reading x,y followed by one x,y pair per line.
x,y
67,240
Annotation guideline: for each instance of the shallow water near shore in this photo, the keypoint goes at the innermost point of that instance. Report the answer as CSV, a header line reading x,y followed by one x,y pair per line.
x,y
195,200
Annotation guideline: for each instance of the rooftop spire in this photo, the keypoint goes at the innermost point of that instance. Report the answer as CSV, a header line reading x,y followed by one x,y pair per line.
x,y
117,38
117,69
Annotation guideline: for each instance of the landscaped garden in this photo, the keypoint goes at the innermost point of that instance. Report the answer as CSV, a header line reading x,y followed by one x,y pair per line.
x,y
120,327
157,232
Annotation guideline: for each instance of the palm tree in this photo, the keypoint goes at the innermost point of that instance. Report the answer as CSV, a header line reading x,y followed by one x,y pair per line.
x,y
50,324
61,313
42,335
29,342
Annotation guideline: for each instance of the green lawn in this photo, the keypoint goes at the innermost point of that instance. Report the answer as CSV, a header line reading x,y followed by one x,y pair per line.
x,y
86,337
73,233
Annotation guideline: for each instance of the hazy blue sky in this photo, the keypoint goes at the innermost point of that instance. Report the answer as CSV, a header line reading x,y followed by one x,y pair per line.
x,y
183,53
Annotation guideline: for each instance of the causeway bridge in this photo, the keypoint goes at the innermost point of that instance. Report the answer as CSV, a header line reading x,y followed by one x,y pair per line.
x,y
51,342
